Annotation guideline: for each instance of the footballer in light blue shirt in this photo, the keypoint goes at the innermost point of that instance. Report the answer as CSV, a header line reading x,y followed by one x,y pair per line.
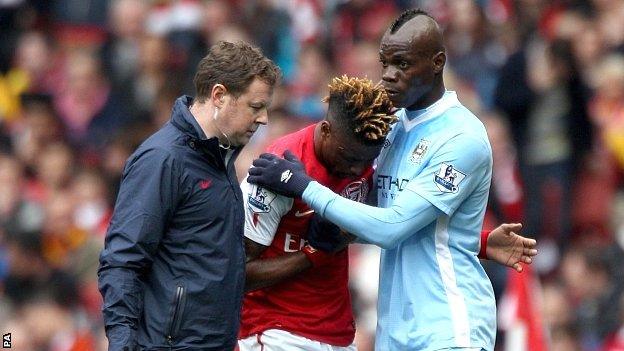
x,y
432,181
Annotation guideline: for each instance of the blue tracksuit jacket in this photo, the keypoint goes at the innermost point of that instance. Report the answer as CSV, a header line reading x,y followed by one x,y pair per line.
x,y
173,267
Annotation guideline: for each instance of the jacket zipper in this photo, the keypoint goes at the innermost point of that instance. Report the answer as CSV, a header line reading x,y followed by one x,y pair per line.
x,y
233,185
175,316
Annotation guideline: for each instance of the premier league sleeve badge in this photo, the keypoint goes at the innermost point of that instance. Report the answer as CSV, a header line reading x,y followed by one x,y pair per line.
x,y
447,178
259,199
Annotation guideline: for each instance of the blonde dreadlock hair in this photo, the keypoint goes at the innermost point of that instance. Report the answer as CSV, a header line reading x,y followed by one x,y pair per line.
x,y
364,107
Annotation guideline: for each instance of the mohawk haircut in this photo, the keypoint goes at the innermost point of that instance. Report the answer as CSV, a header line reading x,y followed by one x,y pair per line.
x,y
406,16
361,107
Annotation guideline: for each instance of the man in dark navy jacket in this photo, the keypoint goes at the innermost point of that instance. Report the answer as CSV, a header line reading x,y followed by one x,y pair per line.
x,y
172,270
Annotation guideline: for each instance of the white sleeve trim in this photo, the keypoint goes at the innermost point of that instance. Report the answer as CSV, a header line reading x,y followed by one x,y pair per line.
x,y
263,212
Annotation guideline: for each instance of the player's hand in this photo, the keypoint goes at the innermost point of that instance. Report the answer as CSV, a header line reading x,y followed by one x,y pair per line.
x,y
285,176
326,236
508,248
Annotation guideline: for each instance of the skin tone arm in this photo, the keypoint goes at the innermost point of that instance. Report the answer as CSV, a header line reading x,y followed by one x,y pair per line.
x,y
261,273
506,247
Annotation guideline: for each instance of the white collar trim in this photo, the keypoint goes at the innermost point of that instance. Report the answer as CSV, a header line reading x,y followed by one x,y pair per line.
x,y
448,100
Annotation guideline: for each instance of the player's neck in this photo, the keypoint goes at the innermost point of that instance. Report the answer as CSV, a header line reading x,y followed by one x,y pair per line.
x,y
202,113
429,99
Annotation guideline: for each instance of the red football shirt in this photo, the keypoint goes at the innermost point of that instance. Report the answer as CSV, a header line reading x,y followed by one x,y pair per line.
x,y
316,303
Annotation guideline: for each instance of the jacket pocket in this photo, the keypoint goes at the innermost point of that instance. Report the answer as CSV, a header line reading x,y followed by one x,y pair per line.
x,y
175,314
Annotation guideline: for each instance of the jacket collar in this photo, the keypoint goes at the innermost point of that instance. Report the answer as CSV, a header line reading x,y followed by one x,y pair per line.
x,y
183,119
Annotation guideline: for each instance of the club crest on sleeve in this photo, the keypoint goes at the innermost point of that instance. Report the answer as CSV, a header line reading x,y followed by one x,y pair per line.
x,y
356,191
259,199
419,152
448,178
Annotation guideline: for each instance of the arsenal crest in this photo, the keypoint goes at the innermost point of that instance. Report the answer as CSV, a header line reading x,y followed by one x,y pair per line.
x,y
356,191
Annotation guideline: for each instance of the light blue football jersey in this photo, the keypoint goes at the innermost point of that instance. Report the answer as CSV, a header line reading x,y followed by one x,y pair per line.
x,y
433,292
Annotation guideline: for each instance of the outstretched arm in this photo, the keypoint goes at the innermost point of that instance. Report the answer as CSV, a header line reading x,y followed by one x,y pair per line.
x,y
384,227
508,248
420,203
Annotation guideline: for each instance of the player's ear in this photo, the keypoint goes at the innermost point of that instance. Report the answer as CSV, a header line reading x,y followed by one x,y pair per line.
x,y
325,129
439,60
218,94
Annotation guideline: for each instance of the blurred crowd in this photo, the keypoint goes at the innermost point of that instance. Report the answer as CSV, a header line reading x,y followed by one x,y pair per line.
x,y
83,82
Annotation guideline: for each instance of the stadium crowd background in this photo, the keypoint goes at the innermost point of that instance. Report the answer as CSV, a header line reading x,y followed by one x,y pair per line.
x,y
82,82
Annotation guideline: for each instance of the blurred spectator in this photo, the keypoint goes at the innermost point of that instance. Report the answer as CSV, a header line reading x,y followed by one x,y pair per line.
x,y
90,110
362,60
161,107
35,69
53,169
37,128
59,330
615,341
506,199
557,313
310,85
610,24
92,210
80,12
359,20
28,273
217,14
607,106
232,33
306,17
151,76
597,183
9,30
587,274
471,50
587,43
17,213
61,235
114,157
565,339
276,41
120,52
174,16
180,21
541,92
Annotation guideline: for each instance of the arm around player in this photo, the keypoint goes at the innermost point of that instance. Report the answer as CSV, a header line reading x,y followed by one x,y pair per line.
x,y
386,227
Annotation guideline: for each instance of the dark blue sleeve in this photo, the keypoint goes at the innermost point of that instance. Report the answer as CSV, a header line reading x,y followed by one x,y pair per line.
x,y
146,201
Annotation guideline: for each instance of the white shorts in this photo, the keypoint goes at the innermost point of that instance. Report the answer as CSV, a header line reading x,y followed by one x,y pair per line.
x,y
281,340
